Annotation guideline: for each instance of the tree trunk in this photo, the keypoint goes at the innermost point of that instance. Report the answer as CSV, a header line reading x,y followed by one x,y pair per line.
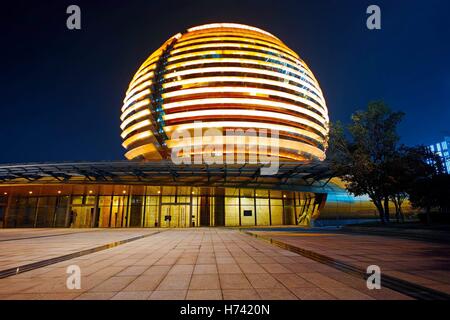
x,y
386,209
402,217
428,215
380,209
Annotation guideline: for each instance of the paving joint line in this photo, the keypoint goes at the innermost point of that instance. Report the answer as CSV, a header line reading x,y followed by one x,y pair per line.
x,y
46,236
405,287
43,263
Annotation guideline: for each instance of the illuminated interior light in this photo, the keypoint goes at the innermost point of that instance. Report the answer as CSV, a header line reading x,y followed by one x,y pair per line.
x,y
134,117
30,192
134,107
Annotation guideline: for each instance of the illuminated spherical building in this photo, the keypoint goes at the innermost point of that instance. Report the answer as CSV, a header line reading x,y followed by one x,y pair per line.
x,y
228,77
225,77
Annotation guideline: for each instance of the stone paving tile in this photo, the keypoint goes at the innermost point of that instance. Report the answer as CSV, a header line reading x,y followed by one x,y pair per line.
x,y
145,283
312,294
168,295
275,268
276,294
205,269
28,250
263,280
204,281
203,263
410,260
228,268
96,296
234,281
204,295
113,284
132,295
246,294
175,282
252,268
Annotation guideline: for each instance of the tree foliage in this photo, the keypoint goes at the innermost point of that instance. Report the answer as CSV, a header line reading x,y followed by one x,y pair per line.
x,y
362,159
367,156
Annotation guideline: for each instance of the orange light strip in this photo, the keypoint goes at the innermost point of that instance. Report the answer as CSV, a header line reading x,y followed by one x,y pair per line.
x,y
134,107
243,100
134,98
136,137
243,140
140,80
141,150
241,124
242,112
237,38
241,60
247,90
237,52
135,126
236,45
249,70
229,33
134,117
231,25
140,87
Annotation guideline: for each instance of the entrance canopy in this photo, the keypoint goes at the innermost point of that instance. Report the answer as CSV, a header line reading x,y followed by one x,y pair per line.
x,y
300,176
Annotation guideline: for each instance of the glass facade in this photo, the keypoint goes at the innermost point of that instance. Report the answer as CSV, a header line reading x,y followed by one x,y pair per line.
x,y
122,206
443,151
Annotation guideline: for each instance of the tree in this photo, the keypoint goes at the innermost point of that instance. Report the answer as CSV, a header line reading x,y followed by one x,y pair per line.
x,y
407,166
430,186
363,159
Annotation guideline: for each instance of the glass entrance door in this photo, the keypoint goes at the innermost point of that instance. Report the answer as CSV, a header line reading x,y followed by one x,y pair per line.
x,y
175,215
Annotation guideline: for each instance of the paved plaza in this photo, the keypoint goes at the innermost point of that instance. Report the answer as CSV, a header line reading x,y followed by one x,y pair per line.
x,y
203,263
419,262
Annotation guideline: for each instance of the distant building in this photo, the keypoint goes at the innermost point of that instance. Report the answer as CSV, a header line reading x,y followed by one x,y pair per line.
x,y
443,149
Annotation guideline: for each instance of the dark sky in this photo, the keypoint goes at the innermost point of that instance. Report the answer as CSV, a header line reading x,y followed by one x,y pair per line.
x,y
62,90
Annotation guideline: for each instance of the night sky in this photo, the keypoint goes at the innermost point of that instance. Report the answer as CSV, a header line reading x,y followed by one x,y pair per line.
x,y
62,90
